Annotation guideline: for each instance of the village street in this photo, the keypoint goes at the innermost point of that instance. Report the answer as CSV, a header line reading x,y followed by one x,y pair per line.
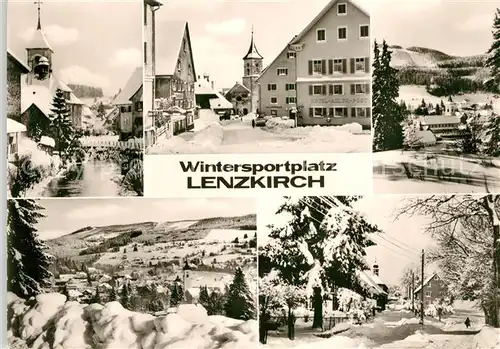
x,y
395,328
238,136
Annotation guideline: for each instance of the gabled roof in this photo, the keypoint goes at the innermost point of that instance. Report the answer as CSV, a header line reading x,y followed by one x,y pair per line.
x,y
38,95
323,12
285,49
252,51
133,85
372,281
169,39
239,86
39,41
220,102
426,282
203,87
14,127
440,119
10,55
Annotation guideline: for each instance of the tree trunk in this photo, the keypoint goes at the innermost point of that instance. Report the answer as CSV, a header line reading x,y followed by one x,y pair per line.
x,y
291,324
318,308
489,206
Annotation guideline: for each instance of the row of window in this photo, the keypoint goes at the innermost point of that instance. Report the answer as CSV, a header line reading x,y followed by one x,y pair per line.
x,y
333,66
274,87
288,100
342,33
443,125
340,112
338,89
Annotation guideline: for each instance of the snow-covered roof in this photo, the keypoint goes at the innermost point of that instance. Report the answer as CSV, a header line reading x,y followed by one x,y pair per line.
x,y
39,40
106,285
323,12
426,282
425,137
169,47
86,111
47,141
203,87
194,292
133,85
220,102
14,127
372,281
12,56
440,119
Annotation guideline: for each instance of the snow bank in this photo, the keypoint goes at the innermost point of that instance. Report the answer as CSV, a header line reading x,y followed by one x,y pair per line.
x,y
337,342
48,321
489,337
205,141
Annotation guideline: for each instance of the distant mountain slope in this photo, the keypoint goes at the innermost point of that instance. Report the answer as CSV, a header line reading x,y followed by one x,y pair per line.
x,y
422,57
151,232
86,91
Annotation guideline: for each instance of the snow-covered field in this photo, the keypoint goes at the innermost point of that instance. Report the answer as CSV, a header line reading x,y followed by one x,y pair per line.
x,y
51,322
456,174
228,235
413,95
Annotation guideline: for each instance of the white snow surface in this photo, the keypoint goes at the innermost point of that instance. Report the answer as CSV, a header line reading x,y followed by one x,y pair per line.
x,y
48,321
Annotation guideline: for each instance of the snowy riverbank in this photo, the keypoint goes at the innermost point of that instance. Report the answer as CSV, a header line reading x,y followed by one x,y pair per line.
x,y
50,322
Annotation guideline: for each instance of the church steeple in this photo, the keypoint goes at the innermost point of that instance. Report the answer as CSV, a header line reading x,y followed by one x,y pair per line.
x,y
39,25
252,51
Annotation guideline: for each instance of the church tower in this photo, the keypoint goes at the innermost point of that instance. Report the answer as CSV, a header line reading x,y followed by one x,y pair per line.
x,y
39,54
252,67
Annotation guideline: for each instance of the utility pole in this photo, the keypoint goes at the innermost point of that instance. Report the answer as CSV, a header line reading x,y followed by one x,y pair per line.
x,y
413,291
422,292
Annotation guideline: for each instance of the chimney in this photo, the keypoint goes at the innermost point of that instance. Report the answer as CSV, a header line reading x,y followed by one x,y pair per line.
x,y
375,269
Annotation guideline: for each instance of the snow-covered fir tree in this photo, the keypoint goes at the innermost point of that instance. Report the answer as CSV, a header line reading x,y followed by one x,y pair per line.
x,y
204,298
61,125
387,114
27,261
493,60
177,295
410,133
491,146
320,246
239,303
125,296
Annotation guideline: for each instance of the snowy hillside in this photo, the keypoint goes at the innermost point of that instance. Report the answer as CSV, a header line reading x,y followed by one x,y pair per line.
x,y
50,322
404,58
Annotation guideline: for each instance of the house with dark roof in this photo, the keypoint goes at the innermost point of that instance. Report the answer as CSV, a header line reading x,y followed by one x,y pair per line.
x,y
329,61
129,103
175,74
433,290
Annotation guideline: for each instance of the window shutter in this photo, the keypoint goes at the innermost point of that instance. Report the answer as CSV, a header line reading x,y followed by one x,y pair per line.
x,y
330,66
353,112
323,66
323,89
353,89
310,90
330,88
269,87
367,64
344,65
368,112
286,87
345,113
310,67
311,112
324,111
367,88
353,67
330,113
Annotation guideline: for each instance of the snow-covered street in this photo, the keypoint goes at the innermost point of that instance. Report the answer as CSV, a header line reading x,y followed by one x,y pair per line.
x,y
398,329
238,136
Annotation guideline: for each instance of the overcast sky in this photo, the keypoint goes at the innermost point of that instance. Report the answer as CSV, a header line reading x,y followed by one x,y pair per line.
x,y
95,42
220,30
406,231
64,216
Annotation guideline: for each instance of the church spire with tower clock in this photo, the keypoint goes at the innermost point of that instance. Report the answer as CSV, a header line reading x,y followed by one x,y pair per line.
x,y
39,52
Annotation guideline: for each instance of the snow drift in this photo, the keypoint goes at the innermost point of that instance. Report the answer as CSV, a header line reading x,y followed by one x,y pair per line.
x,y
48,321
